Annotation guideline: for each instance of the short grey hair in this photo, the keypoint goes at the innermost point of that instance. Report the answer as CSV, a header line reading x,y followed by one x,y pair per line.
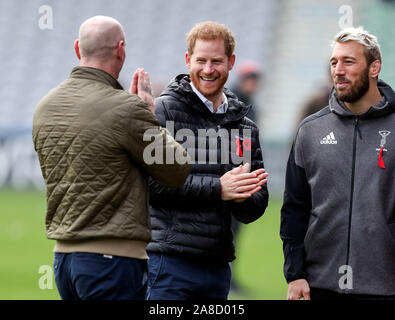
x,y
369,41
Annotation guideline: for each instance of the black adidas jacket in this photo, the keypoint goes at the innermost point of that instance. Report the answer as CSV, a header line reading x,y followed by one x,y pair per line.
x,y
192,221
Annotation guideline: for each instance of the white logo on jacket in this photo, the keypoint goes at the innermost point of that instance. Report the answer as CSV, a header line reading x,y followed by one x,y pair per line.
x,y
329,139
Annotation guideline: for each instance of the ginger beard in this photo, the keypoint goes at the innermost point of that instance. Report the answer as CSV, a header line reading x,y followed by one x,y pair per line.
x,y
209,85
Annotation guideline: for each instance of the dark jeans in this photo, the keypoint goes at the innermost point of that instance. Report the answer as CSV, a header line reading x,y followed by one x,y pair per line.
x,y
322,294
91,276
174,278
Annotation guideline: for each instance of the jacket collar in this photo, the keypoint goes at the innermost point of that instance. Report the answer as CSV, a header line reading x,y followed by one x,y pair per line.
x,y
180,88
384,106
95,74
221,108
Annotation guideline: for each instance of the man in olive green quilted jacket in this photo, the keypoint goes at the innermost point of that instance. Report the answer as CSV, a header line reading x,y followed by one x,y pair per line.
x,y
89,136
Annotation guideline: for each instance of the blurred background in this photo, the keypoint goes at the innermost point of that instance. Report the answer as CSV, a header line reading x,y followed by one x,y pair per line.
x,y
283,49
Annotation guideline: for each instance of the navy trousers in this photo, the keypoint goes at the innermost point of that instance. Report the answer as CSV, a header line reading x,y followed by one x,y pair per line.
x,y
174,278
91,276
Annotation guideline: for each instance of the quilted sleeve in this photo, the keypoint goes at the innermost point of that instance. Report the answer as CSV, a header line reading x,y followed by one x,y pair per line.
x,y
146,141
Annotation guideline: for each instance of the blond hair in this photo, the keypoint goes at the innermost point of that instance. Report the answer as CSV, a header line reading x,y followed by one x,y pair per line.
x,y
369,41
210,30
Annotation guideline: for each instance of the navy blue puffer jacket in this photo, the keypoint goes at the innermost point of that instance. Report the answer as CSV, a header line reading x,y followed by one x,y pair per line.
x,y
192,221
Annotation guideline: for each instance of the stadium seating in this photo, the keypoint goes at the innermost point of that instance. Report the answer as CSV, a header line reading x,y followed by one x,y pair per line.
x,y
378,18
289,39
36,59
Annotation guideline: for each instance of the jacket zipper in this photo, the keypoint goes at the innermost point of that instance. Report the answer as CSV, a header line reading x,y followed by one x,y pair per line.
x,y
354,150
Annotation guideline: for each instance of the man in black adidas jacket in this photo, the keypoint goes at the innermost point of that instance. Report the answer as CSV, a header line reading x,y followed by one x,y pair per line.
x,y
191,226
337,220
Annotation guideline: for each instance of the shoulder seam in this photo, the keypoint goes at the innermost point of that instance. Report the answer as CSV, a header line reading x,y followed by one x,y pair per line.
x,y
323,112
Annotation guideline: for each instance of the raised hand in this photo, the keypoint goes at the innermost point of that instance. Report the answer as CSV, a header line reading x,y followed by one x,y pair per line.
x,y
141,86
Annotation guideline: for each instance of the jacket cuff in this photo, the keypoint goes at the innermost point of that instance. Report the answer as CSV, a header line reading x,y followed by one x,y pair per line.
x,y
294,261
217,188
297,276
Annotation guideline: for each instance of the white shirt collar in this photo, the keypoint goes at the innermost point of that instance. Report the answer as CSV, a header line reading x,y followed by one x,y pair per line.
x,y
220,110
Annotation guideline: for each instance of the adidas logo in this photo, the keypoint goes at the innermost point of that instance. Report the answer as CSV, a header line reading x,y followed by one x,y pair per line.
x,y
329,139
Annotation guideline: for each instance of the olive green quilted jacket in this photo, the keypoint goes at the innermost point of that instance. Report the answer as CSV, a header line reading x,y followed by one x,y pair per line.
x,y
88,134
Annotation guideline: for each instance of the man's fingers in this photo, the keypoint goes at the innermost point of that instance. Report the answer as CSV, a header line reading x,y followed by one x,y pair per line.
x,y
244,182
249,178
141,84
294,294
306,295
255,190
242,195
245,167
259,171
238,185
243,176
262,179
262,182
263,175
298,289
144,83
241,169
133,85
236,170
140,80
246,188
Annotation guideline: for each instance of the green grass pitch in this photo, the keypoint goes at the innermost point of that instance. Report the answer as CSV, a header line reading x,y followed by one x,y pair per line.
x,y
24,249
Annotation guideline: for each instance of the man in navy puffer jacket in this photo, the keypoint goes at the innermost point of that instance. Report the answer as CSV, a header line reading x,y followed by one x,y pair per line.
x,y
192,241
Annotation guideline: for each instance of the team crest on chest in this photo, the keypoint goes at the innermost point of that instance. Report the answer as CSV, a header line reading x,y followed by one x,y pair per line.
x,y
384,134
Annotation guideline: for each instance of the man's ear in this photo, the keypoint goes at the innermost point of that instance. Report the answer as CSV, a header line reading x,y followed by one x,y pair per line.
x,y
232,60
188,60
121,49
374,69
77,49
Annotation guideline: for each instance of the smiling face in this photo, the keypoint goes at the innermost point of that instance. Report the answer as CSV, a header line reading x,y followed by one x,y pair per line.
x,y
350,71
209,67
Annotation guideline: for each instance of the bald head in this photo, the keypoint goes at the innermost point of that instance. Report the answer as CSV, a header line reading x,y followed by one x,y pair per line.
x,y
99,36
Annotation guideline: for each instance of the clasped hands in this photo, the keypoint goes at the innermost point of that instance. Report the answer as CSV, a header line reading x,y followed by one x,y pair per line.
x,y
238,184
